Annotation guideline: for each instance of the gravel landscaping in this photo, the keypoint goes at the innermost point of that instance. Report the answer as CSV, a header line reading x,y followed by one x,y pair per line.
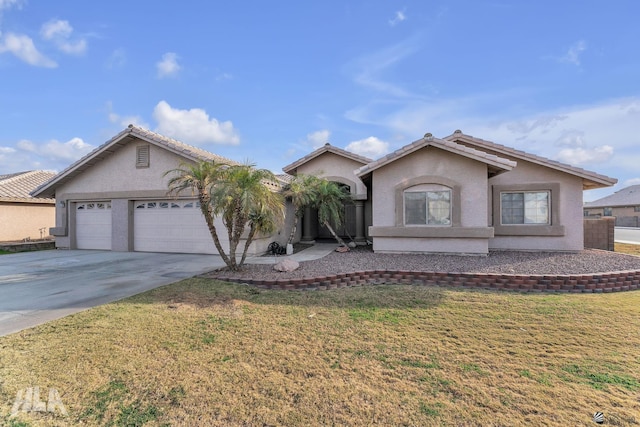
x,y
502,262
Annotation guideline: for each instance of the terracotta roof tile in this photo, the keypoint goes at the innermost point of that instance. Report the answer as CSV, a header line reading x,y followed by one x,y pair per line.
x,y
499,162
186,150
17,187
594,180
327,148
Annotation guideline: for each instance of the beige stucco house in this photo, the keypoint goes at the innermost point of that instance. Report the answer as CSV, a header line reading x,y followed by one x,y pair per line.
x,y
624,204
457,194
23,217
115,198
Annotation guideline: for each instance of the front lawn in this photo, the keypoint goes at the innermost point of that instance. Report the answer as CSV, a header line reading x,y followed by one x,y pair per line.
x,y
202,352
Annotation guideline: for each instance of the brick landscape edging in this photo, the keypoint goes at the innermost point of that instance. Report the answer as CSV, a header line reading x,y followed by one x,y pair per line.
x,y
579,283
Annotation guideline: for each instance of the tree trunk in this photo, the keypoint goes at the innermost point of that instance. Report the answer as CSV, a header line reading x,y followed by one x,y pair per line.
x,y
206,211
333,233
252,232
294,228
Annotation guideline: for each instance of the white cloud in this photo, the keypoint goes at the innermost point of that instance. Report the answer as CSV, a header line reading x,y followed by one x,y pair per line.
x,y
370,70
584,156
573,54
169,66
224,76
7,4
603,137
318,138
22,47
125,121
398,17
193,126
56,28
632,181
117,59
50,155
55,150
371,147
59,32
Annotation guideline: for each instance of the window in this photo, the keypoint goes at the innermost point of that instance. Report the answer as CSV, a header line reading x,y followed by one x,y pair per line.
x,y
142,156
636,208
427,207
526,207
608,211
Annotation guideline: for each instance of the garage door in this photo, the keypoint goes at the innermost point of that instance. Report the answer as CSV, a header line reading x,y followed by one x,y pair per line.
x,y
173,226
93,225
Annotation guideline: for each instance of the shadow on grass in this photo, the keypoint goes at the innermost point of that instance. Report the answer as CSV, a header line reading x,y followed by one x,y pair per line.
x,y
202,293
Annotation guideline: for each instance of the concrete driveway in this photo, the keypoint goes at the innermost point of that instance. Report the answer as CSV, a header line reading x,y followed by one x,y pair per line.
x,y
36,287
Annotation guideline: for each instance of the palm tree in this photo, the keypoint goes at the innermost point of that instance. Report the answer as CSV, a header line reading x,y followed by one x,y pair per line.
x,y
199,178
329,200
301,193
236,193
242,199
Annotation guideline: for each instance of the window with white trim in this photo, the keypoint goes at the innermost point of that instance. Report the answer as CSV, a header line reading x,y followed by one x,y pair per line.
x,y
428,207
525,207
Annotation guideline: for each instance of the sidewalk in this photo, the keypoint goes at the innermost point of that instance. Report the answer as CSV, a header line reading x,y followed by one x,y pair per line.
x,y
318,250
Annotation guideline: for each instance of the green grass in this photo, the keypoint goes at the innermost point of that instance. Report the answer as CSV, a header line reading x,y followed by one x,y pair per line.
x,y
203,352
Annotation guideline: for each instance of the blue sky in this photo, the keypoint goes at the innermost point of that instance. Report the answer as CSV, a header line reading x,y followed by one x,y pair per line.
x,y
269,82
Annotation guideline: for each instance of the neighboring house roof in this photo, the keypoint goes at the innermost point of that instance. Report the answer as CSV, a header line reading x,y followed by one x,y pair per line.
x,y
628,196
590,179
16,187
129,134
326,148
496,164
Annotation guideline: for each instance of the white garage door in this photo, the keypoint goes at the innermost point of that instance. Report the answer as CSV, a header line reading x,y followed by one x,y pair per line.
x,y
93,225
173,226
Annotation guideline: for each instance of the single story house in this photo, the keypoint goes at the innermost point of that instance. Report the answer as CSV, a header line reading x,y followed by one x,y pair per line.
x,y
23,217
624,204
458,194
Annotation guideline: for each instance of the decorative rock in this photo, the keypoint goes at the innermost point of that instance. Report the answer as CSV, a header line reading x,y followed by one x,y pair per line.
x,y
352,245
342,249
287,265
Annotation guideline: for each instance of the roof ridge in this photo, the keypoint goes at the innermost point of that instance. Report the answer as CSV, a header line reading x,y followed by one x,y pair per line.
x,y
324,149
530,156
138,130
430,140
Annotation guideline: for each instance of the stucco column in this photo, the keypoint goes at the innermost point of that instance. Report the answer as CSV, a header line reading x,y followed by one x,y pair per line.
x,y
307,237
360,238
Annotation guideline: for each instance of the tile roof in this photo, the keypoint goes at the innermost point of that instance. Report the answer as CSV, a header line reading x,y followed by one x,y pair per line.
x,y
118,141
177,146
628,196
590,179
326,148
16,187
498,163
